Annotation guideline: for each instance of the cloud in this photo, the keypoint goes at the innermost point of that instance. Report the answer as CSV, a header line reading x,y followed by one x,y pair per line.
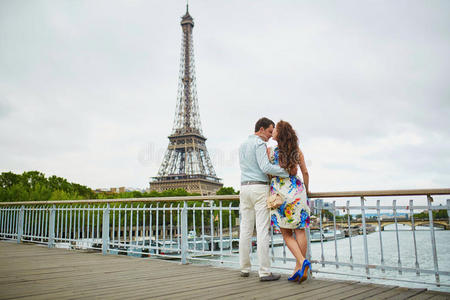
x,y
88,89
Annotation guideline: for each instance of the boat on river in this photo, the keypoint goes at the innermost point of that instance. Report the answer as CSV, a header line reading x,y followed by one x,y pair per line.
x,y
327,235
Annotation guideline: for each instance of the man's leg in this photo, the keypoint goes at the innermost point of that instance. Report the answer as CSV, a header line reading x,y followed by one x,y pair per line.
x,y
260,194
247,224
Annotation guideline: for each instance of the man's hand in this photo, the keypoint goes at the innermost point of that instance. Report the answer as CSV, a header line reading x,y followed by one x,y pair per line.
x,y
293,171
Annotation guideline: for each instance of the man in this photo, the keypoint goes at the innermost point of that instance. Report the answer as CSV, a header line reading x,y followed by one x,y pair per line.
x,y
255,165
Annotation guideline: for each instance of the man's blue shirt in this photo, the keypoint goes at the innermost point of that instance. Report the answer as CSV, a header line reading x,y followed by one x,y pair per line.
x,y
254,163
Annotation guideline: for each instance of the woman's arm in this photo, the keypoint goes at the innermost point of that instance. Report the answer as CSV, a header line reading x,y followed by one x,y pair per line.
x,y
304,170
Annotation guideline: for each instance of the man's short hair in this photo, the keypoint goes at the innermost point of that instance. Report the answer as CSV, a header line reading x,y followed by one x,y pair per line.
x,y
264,123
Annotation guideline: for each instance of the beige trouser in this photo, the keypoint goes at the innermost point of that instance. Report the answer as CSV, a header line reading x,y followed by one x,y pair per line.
x,y
253,208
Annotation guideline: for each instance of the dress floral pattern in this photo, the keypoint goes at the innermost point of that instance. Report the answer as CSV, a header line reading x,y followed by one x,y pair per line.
x,y
294,212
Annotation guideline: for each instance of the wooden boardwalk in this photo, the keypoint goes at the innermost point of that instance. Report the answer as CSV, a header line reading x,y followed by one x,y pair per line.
x,y
33,271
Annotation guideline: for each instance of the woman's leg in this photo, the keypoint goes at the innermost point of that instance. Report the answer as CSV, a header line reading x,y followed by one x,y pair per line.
x,y
293,247
300,237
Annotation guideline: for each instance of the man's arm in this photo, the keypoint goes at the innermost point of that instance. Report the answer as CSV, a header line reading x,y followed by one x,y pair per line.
x,y
264,163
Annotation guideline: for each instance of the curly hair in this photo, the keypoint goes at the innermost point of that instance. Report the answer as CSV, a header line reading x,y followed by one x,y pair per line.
x,y
287,145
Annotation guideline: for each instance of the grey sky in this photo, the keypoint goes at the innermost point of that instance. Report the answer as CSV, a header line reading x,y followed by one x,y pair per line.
x,y
88,88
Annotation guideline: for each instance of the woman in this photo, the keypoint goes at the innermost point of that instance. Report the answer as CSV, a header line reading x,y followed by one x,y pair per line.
x,y
293,215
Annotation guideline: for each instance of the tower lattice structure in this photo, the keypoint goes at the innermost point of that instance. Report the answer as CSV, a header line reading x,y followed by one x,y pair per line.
x,y
186,162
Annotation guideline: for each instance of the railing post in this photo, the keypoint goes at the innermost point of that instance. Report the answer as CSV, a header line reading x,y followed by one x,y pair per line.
x,y
366,250
433,240
399,261
105,230
20,224
448,213
413,228
308,241
336,257
350,234
322,257
51,228
184,232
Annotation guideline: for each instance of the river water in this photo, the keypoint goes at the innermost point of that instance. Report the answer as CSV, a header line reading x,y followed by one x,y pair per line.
x,y
407,256
390,252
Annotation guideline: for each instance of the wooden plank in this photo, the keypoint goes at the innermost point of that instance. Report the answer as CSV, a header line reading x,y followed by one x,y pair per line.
x,y
422,296
174,291
309,287
389,294
276,291
164,286
361,288
220,291
215,288
408,294
440,297
131,275
37,272
331,292
244,285
373,293
150,285
87,283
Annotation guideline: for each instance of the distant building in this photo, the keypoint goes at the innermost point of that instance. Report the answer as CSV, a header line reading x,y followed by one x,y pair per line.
x,y
115,190
316,203
102,190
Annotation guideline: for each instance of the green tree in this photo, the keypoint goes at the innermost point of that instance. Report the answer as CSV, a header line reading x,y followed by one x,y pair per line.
x,y
34,186
227,191
17,192
40,192
8,179
439,214
33,178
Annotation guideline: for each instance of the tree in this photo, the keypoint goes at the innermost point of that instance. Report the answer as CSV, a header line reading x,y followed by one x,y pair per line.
x,y
227,191
34,186
8,179
40,192
440,214
17,192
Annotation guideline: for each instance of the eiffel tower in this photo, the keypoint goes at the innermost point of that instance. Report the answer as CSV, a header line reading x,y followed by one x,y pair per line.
x,y
186,162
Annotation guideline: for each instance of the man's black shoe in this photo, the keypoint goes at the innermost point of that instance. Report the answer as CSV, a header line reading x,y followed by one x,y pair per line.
x,y
271,277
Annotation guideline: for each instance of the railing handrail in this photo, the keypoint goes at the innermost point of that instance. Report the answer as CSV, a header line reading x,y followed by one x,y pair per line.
x,y
409,192
144,199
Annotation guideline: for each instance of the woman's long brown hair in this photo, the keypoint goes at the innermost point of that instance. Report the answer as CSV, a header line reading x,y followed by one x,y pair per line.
x,y
287,146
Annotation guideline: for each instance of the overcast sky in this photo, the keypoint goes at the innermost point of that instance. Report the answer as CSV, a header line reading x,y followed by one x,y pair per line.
x,y
88,88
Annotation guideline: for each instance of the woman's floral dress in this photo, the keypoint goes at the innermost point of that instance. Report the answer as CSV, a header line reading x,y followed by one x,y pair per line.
x,y
294,212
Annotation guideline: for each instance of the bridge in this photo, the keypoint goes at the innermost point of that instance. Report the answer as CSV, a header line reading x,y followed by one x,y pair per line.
x,y
94,232
34,272
438,223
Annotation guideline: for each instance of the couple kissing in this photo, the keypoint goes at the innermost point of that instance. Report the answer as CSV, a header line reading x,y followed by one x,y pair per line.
x,y
272,194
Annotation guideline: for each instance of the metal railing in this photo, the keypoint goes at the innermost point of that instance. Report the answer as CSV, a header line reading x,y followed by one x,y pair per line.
x,y
206,228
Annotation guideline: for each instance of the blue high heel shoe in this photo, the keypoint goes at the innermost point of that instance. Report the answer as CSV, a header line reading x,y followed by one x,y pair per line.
x,y
295,277
304,273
